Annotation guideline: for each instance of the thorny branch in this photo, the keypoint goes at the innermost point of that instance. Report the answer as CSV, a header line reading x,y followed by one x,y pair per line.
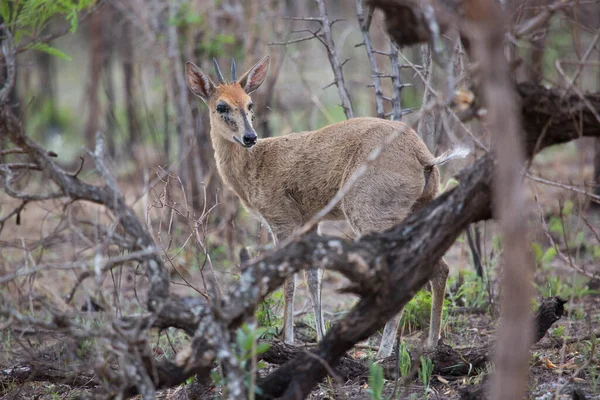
x,y
365,24
336,66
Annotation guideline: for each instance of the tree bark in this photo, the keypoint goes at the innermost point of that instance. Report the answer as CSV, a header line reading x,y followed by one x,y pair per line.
x,y
597,169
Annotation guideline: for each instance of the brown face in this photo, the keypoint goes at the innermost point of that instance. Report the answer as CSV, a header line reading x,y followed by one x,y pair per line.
x,y
230,104
232,113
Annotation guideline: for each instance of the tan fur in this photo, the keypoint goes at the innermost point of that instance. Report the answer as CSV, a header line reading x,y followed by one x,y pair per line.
x,y
287,179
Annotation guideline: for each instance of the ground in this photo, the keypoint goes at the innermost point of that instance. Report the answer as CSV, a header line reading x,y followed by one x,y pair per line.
x,y
565,245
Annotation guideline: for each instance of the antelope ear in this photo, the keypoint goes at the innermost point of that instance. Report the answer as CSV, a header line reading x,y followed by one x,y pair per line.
x,y
252,79
198,82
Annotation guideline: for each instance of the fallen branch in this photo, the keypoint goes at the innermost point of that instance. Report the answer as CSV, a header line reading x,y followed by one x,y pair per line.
x,y
29,372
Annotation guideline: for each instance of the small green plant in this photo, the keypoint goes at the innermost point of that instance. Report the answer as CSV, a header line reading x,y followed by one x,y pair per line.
x,y
596,252
559,332
375,381
267,314
543,258
595,376
425,372
247,349
404,360
417,311
571,288
497,243
471,291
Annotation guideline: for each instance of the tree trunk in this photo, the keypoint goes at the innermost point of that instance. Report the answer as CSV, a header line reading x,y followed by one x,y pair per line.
x,y
46,66
95,71
127,59
597,169
109,87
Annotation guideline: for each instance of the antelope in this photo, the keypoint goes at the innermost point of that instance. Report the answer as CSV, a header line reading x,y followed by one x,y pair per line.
x,y
288,179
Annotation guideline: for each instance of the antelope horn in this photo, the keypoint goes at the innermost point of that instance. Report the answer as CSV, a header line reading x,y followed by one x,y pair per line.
x,y
233,77
218,71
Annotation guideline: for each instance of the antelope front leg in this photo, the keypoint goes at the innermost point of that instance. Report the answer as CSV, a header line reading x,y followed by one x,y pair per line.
x,y
313,279
289,286
438,291
280,233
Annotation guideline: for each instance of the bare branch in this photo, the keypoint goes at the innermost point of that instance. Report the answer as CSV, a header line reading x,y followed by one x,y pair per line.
x,y
426,126
78,190
571,188
364,27
396,83
315,35
336,66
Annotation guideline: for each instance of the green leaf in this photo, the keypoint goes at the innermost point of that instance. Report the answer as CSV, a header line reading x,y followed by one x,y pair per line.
x,y
555,225
450,184
597,252
5,12
537,252
262,347
567,208
72,18
240,337
376,381
50,50
549,255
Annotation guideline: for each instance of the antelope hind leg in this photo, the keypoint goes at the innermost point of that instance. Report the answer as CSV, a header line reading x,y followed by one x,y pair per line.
x,y
313,280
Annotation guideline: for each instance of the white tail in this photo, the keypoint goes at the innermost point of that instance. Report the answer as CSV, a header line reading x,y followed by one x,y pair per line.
x,y
457,152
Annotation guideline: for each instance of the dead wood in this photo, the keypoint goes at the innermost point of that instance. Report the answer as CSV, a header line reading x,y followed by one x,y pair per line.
x,y
39,371
550,311
347,368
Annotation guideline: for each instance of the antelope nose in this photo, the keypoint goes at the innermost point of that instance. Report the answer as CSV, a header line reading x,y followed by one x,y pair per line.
x,y
249,139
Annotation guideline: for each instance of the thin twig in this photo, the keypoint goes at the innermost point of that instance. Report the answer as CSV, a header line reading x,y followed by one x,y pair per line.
x,y
592,196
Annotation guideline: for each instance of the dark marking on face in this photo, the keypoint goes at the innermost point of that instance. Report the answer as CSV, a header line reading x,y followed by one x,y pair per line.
x,y
247,125
251,111
229,121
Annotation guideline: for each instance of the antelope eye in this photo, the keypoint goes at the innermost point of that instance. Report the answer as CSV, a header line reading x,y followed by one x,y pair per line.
x,y
222,108
250,106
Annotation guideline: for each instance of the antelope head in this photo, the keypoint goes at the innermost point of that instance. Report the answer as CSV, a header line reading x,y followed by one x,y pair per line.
x,y
231,108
